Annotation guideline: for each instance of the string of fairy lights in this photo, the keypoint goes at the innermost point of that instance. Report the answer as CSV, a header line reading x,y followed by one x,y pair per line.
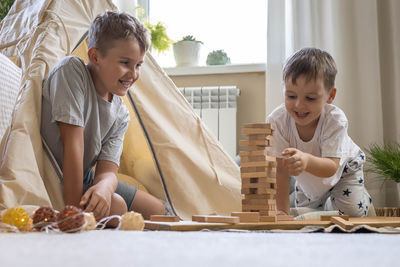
x,y
70,220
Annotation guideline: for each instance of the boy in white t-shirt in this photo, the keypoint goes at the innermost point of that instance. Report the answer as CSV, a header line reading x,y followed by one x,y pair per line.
x,y
311,141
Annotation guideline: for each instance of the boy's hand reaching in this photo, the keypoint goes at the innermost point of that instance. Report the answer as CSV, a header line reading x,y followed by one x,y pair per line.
x,y
295,161
97,200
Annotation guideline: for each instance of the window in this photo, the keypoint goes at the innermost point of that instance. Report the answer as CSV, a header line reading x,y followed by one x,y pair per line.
x,y
237,27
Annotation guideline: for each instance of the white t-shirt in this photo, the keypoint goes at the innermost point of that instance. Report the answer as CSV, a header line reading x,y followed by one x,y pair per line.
x,y
330,140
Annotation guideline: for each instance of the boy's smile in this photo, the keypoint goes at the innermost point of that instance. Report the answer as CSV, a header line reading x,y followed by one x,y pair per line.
x,y
117,70
304,100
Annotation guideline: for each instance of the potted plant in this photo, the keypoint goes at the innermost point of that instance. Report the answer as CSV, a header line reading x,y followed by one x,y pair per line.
x,y
187,51
384,160
218,57
158,32
159,38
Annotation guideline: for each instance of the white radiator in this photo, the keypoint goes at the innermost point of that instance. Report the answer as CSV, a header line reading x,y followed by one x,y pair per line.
x,y
216,106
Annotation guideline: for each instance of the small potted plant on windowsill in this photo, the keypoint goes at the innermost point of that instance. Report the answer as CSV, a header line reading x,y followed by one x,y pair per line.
x,y
218,57
187,51
384,160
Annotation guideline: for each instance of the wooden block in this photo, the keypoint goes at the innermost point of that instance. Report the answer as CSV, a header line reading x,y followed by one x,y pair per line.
x,y
271,172
251,131
268,213
259,208
247,216
270,138
258,137
255,164
258,201
266,158
164,218
260,186
250,143
259,191
261,125
249,169
255,148
256,158
249,175
262,152
199,218
342,222
259,196
268,219
284,217
255,179
328,217
216,219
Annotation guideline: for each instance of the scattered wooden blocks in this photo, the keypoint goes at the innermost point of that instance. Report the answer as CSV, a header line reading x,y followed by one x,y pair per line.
x,y
216,219
342,222
164,218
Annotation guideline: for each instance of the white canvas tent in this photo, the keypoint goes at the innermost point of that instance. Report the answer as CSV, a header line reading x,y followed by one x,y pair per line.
x,y
179,160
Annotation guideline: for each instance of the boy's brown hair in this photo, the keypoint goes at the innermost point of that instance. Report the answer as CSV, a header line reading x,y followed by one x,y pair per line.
x,y
112,26
314,63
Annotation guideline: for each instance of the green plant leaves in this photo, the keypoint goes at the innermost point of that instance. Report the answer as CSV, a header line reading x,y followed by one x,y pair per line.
x,y
384,160
5,6
159,38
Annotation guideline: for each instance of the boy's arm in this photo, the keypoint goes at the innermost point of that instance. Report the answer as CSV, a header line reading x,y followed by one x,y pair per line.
x,y
298,161
283,187
98,197
73,148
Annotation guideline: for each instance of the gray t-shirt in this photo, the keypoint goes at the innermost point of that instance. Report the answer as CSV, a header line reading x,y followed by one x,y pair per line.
x,y
69,96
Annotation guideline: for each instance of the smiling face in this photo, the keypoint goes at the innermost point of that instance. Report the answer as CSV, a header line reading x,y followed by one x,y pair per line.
x,y
305,99
116,71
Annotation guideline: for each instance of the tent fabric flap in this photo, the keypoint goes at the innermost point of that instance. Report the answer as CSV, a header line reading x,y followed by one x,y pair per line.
x,y
184,164
198,175
27,176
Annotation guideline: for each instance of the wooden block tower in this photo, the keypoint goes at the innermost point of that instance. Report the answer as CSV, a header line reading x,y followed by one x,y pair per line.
x,y
258,171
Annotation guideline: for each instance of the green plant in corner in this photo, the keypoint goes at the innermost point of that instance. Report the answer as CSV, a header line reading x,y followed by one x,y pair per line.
x,y
384,160
5,6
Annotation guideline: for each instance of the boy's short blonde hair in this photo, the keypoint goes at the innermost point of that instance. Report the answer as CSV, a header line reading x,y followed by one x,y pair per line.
x,y
112,26
314,63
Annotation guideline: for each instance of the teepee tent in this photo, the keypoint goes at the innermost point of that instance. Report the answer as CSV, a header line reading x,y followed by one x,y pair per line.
x,y
167,148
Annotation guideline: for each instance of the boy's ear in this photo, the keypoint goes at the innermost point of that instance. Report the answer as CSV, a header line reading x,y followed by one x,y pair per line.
x,y
93,55
332,95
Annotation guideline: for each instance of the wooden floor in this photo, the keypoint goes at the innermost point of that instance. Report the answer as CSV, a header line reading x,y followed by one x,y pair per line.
x,y
283,225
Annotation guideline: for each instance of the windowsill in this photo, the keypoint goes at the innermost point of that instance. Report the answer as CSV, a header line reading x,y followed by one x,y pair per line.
x,y
220,69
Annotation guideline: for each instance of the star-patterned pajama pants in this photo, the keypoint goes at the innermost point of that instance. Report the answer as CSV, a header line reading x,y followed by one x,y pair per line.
x,y
349,196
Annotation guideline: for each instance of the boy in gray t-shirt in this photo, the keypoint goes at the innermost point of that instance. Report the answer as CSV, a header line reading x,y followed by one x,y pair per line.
x,y
84,118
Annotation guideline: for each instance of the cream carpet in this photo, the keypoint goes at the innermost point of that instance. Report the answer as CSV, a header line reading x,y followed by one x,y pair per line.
x,y
158,248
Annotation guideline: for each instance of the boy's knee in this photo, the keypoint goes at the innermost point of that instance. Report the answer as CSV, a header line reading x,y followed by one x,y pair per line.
x,y
118,205
147,205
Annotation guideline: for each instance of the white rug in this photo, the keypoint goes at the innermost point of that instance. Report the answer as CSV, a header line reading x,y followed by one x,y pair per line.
x,y
152,248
